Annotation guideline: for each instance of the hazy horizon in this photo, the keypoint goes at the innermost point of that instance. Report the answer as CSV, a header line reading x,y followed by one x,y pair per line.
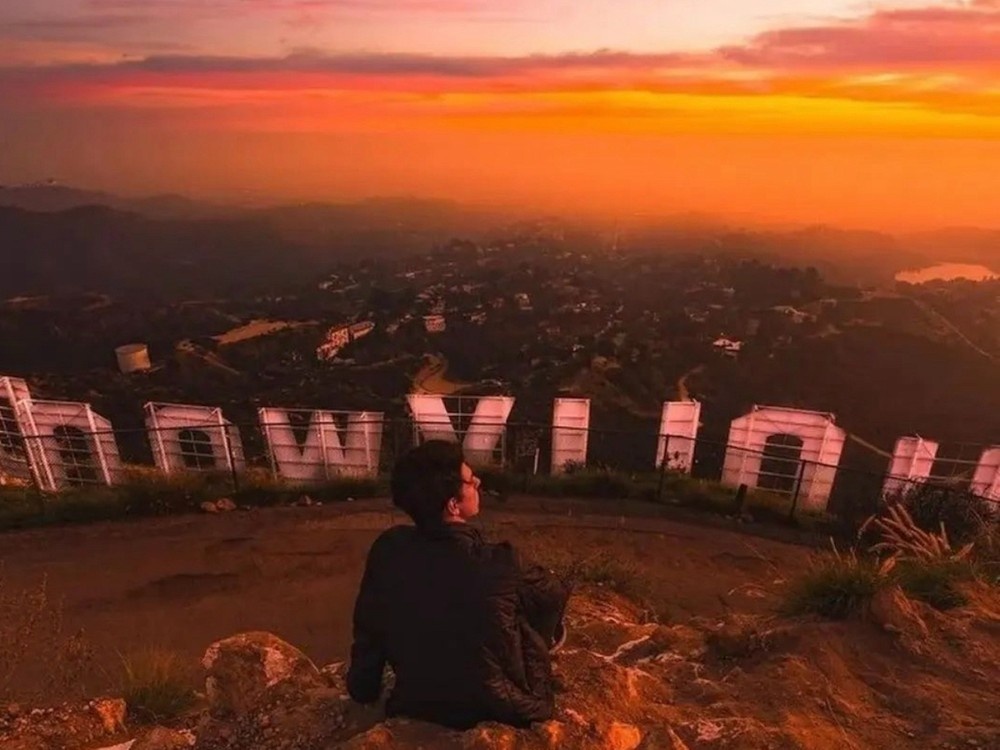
x,y
884,116
519,211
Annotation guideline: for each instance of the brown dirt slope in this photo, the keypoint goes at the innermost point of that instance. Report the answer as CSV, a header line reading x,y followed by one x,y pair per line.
x,y
673,640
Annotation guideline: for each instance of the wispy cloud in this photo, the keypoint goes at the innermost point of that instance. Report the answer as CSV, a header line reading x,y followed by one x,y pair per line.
x,y
938,59
321,9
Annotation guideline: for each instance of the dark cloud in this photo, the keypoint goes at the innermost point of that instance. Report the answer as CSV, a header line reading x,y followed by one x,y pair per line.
x,y
377,64
62,29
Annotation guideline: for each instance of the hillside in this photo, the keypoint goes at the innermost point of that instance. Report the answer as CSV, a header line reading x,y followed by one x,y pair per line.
x,y
101,249
675,641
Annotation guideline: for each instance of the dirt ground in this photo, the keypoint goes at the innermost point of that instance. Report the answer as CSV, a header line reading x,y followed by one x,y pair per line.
x,y
181,583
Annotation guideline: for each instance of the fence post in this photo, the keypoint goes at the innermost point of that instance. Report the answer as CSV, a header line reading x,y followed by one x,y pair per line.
x,y
663,468
740,500
36,482
798,490
227,440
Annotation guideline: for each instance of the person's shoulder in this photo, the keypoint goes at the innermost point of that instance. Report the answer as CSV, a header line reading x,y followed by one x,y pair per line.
x,y
503,553
400,531
393,537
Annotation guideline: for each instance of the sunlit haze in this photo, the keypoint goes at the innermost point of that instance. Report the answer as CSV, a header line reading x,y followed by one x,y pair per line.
x,y
883,114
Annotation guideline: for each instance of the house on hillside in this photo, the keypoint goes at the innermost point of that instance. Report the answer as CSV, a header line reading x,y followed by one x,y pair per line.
x,y
727,346
434,323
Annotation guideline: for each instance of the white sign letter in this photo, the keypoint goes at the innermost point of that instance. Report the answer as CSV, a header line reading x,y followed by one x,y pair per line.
x,y
489,421
912,461
68,444
14,466
678,432
986,482
193,438
772,448
570,426
323,453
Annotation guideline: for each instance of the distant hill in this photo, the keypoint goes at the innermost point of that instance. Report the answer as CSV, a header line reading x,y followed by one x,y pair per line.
x,y
959,245
101,249
98,235
53,197
50,197
843,256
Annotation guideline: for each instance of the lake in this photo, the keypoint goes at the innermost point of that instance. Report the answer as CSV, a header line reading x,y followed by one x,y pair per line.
x,y
947,272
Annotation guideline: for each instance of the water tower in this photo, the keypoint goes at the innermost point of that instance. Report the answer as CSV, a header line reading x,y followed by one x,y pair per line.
x,y
133,358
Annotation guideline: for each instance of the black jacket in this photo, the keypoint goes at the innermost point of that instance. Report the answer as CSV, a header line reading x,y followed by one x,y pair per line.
x,y
463,624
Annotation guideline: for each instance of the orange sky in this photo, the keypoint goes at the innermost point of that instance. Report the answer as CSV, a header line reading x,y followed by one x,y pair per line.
x,y
887,119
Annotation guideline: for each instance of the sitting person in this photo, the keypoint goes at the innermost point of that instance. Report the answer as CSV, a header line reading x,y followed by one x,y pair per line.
x,y
465,626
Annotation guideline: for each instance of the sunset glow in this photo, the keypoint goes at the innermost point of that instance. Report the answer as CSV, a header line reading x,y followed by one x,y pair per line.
x,y
802,111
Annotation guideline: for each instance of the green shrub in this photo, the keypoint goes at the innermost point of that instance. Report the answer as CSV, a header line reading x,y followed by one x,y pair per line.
x,y
836,588
934,582
604,569
964,514
157,685
146,492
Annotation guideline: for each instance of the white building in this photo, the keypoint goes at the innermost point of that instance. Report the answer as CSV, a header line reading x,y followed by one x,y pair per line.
x,y
728,346
362,329
434,323
797,316
133,358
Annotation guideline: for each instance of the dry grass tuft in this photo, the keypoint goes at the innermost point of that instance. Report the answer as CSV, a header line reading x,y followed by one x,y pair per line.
x,y
156,684
34,637
903,539
838,586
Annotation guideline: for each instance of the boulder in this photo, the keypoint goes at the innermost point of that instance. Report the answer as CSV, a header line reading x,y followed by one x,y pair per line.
x,y
242,669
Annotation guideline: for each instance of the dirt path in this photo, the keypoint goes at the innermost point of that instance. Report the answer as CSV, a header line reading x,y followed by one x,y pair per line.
x,y
180,583
683,392
933,314
431,378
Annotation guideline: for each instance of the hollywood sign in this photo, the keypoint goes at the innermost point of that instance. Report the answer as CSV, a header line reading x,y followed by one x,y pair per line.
x,y
50,442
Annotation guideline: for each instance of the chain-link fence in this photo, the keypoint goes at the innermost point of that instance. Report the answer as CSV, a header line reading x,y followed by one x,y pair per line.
x,y
305,447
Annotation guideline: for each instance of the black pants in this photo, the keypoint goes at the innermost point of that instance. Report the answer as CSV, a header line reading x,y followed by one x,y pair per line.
x,y
548,622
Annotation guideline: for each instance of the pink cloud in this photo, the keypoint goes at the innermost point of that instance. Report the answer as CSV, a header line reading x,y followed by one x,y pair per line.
x,y
943,57
958,34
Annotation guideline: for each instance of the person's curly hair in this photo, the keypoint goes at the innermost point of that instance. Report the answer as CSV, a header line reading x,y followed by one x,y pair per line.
x,y
425,478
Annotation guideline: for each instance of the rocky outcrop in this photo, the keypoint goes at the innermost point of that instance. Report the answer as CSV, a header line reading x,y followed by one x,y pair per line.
x,y
619,679
63,728
242,670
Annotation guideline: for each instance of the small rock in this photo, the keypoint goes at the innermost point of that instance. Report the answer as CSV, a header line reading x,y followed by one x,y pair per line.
x,y
208,507
552,733
111,712
490,737
663,739
377,738
162,738
620,736
225,504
